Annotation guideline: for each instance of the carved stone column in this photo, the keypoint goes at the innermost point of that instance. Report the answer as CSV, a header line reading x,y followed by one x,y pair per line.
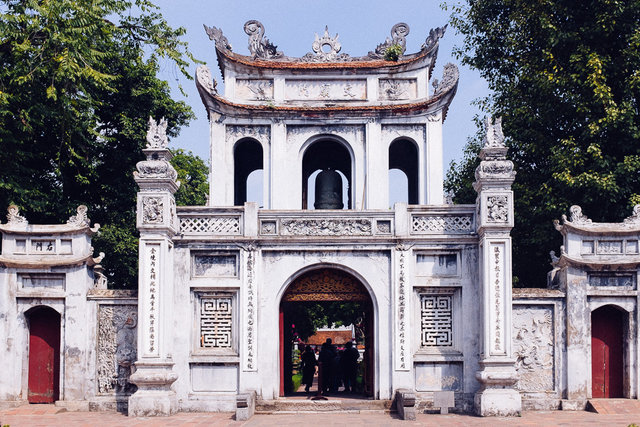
x,y
157,223
497,374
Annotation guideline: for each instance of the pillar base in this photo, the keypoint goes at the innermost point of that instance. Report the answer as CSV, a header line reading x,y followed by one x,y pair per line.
x,y
498,398
154,396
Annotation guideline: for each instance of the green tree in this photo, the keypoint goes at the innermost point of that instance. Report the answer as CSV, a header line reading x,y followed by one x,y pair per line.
x,y
78,82
565,77
193,176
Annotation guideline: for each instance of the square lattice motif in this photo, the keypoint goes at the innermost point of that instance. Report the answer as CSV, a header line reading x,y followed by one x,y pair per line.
x,y
216,322
436,320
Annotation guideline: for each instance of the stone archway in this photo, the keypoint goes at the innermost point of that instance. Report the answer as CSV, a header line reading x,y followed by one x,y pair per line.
x,y
327,284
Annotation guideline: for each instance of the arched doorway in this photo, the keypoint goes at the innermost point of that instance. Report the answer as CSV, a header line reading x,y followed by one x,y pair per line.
x,y
44,354
607,369
327,286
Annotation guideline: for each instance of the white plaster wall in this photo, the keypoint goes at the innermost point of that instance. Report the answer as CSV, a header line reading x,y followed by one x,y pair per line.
x,y
273,272
467,320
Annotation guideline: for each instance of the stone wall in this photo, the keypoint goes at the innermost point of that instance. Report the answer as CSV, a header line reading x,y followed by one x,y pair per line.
x,y
116,347
538,346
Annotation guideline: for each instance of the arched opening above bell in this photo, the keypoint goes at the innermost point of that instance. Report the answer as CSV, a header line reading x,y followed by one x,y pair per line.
x,y
403,155
333,159
247,158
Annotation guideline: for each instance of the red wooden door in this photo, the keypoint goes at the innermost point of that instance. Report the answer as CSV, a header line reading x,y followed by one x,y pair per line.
x,y
607,326
44,355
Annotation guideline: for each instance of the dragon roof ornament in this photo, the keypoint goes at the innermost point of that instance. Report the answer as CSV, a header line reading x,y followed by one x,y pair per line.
x,y
215,34
80,219
399,32
435,34
634,219
576,216
14,217
260,46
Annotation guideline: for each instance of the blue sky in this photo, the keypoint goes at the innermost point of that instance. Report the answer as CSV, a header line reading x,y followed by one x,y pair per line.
x,y
291,25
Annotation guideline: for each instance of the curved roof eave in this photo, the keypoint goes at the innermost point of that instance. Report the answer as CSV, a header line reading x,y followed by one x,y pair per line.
x,y
405,63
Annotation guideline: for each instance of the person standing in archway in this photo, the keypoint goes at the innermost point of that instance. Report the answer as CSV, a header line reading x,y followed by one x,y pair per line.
x,y
326,358
349,363
308,367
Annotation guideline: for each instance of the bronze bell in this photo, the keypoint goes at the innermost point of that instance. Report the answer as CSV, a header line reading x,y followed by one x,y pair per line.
x,y
328,190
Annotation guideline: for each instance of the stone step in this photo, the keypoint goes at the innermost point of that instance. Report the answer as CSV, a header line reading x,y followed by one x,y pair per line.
x,y
614,406
331,405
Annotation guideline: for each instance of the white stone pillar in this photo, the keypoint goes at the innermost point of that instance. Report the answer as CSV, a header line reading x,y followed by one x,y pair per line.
x,y
221,177
158,223
578,341
433,162
377,173
497,374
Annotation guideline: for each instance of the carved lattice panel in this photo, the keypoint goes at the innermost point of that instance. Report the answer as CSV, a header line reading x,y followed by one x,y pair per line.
x,y
436,320
211,225
326,285
422,224
216,322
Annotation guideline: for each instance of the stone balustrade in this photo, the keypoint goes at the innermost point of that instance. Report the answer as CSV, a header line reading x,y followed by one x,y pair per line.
x,y
248,221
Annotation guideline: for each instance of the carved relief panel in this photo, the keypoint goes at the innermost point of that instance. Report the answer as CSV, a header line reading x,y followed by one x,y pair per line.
x,y
497,209
254,89
116,349
324,90
533,347
397,89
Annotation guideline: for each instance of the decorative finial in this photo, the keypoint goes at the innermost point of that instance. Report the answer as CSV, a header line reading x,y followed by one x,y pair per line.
x,y
326,40
450,76
203,76
80,219
494,136
157,133
216,35
399,32
14,217
634,219
258,46
434,37
576,215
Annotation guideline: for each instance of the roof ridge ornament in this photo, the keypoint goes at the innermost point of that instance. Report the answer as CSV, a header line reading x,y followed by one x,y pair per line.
x,y
577,217
203,77
216,35
14,217
399,32
157,133
260,46
435,34
80,219
450,76
319,55
634,219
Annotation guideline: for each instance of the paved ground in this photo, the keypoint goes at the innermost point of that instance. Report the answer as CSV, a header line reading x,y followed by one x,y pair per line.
x,y
44,415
